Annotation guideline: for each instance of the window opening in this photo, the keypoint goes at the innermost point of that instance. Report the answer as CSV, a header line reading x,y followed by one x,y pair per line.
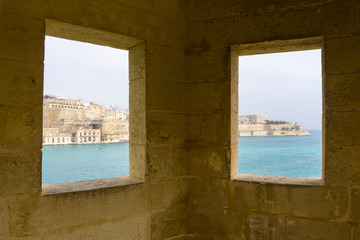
x,y
280,114
82,82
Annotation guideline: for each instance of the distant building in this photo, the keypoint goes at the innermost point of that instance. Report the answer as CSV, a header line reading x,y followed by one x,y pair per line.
x,y
67,121
259,125
252,119
53,136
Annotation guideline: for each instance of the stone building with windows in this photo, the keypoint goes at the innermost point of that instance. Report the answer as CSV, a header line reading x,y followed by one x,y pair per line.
x,y
52,136
87,136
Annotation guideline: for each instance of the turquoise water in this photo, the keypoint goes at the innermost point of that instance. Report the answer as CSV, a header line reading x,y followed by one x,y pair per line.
x,y
290,156
70,163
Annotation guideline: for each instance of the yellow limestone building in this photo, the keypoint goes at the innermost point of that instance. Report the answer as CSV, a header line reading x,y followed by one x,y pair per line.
x,y
183,182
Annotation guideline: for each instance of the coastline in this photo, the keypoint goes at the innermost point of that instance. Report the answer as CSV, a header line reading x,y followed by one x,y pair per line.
x,y
90,143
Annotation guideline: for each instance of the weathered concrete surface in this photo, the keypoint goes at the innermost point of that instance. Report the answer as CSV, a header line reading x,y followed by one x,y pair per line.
x,y
183,143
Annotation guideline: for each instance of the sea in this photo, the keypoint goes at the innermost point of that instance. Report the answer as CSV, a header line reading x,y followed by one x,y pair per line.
x,y
290,156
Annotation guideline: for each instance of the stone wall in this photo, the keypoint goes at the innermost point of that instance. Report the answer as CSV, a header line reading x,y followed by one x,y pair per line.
x,y
223,205
183,181
147,205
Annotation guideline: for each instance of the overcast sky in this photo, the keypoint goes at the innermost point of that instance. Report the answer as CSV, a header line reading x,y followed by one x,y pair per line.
x,y
282,86
91,72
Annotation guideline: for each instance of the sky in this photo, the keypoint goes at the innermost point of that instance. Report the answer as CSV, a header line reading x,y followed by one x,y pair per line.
x,y
282,86
87,71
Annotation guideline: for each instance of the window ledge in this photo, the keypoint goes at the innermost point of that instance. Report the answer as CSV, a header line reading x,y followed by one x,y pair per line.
x,y
264,179
81,186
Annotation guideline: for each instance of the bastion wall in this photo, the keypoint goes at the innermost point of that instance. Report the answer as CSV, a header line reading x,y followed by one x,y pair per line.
x,y
183,128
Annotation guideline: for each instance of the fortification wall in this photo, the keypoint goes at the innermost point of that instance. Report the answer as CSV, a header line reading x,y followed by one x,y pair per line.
x,y
225,206
150,203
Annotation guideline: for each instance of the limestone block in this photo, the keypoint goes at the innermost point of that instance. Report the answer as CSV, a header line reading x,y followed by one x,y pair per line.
x,y
132,228
165,128
20,173
137,161
157,158
342,167
341,129
4,219
210,223
24,218
163,95
137,127
208,192
21,38
246,196
208,65
298,228
131,22
210,128
196,41
234,128
93,207
342,55
216,128
194,123
317,202
137,62
263,226
22,83
156,191
165,62
208,97
355,208
20,127
234,159
164,8
208,162
137,95
356,230
328,19
177,165
176,192
178,36
342,92
165,161
168,223
300,201
26,8
205,10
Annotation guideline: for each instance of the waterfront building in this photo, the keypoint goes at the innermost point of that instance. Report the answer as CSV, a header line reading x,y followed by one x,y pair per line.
x,y
82,122
87,136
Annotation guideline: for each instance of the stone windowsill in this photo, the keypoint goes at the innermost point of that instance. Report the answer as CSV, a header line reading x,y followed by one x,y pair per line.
x,y
264,179
81,186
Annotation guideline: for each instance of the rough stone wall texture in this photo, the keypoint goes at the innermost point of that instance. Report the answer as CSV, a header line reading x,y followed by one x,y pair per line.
x,y
220,208
153,209
185,120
